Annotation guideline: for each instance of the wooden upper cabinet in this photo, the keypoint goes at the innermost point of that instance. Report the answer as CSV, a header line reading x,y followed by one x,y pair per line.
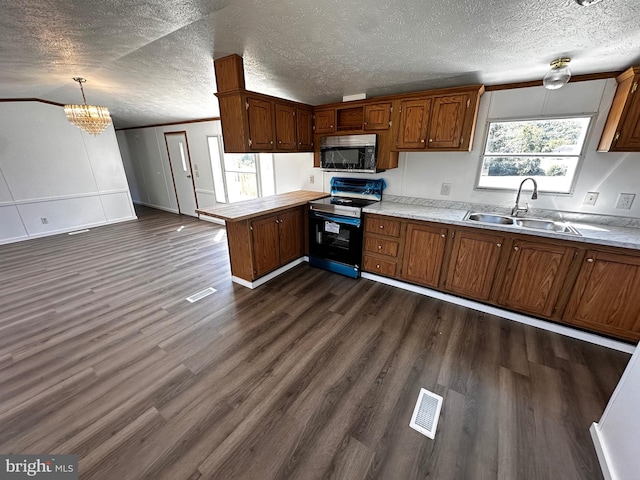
x,y
605,295
535,273
621,133
260,124
325,121
291,224
377,116
285,127
473,264
423,254
304,129
447,120
252,122
414,121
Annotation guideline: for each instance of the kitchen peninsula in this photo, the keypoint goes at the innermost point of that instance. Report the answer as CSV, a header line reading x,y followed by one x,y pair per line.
x,y
266,236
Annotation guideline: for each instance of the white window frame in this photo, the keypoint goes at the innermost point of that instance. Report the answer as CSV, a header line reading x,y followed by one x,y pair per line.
x,y
583,151
224,169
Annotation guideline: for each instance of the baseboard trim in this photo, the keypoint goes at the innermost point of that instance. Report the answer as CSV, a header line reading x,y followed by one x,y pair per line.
x,y
601,451
269,276
157,207
517,317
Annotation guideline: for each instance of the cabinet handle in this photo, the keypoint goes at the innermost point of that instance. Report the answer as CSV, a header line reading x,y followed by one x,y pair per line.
x,y
378,267
498,245
330,126
443,236
381,226
271,142
590,260
516,248
366,123
279,141
430,140
277,221
422,140
379,247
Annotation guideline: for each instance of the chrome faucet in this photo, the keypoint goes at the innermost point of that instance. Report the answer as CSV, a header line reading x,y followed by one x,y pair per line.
x,y
516,209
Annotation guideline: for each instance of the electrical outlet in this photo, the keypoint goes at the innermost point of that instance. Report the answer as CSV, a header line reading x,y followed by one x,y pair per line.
x,y
445,189
590,198
625,200
312,178
44,220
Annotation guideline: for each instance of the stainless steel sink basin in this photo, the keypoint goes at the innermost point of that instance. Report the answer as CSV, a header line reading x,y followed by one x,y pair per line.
x,y
549,225
540,224
490,218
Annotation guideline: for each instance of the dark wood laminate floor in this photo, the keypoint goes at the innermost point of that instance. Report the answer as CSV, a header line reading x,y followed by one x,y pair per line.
x,y
313,375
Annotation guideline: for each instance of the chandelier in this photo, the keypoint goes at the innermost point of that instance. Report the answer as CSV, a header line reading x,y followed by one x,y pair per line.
x,y
90,118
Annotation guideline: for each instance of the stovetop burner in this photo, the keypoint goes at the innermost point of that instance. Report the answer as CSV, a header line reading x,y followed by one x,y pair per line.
x,y
365,192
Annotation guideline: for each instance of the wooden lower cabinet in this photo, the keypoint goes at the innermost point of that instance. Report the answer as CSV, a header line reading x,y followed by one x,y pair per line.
x,y
606,295
423,254
382,251
259,246
473,262
536,272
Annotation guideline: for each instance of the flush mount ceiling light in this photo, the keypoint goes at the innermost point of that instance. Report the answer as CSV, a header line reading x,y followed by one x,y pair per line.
x,y
559,74
586,3
90,118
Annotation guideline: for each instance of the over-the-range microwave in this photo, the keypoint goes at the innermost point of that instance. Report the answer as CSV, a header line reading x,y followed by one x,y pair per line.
x,y
349,153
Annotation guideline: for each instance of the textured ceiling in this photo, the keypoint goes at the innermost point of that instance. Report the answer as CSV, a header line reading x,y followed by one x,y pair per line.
x,y
150,61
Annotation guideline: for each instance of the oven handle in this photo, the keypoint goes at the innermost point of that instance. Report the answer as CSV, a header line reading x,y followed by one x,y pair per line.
x,y
338,219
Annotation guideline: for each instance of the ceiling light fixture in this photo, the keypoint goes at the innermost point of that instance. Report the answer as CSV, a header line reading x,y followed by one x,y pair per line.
x,y
90,118
586,3
559,74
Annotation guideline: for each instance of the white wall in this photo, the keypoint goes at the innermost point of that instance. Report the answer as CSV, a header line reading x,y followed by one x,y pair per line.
x,y
421,174
616,434
51,169
144,153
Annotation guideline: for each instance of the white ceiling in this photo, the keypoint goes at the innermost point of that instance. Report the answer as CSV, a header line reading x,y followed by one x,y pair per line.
x,y
150,61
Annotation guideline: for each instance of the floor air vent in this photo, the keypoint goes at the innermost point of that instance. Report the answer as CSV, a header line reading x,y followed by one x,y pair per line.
x,y
425,415
197,296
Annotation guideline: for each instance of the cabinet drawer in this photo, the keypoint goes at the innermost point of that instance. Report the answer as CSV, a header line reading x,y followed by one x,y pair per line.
x,y
383,267
381,246
382,226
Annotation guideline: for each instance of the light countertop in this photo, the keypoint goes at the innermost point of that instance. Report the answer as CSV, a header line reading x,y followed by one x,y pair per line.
x,y
597,234
256,207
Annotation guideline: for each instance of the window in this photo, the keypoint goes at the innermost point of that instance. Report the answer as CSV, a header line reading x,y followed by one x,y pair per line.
x,y
240,176
549,150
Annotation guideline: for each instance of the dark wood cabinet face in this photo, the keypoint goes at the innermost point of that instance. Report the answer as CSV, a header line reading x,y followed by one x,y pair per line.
x,y
265,240
325,121
423,254
473,263
291,225
285,127
535,274
304,129
414,121
447,120
377,117
260,124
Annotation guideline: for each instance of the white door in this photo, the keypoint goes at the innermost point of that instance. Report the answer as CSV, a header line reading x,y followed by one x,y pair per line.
x,y
178,151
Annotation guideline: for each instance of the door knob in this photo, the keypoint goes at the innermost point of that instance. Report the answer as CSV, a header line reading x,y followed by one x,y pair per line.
x,y
188,176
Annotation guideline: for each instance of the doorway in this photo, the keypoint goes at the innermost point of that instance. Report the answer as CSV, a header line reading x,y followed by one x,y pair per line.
x,y
182,172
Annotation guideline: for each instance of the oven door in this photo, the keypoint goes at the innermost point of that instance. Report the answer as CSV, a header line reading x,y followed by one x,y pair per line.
x,y
335,242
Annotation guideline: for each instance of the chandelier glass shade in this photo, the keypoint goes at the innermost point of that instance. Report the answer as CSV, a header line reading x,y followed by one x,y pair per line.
x,y
90,118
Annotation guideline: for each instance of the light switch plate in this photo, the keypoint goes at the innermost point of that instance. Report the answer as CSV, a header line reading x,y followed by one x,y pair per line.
x,y
590,198
445,189
625,200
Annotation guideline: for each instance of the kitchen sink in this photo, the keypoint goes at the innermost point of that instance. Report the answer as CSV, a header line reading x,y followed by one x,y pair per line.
x,y
490,218
540,224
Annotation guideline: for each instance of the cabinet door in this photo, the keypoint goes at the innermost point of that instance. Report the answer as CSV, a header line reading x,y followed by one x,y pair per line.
x,y
423,252
304,124
414,120
260,124
473,263
291,235
376,117
325,121
629,139
535,274
447,119
266,245
285,127
605,295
